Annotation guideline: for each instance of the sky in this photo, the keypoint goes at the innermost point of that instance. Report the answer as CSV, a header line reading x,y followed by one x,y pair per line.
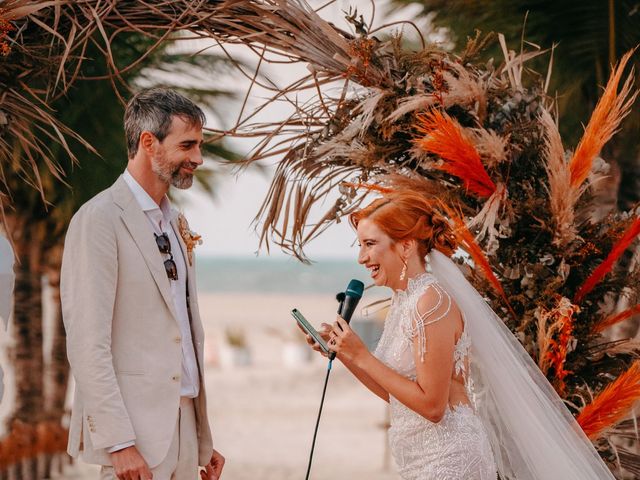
x,y
225,222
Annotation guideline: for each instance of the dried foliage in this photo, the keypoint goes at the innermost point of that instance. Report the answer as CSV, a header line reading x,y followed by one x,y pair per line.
x,y
612,320
445,138
24,441
612,404
536,232
605,120
482,136
607,265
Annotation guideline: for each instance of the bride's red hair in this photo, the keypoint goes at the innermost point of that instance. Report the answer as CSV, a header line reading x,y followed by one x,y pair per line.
x,y
407,213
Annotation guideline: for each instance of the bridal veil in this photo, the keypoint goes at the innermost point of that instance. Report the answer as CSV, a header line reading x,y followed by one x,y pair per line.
x,y
532,433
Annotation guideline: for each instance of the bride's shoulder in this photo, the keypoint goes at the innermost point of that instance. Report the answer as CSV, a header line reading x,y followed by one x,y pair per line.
x,y
434,302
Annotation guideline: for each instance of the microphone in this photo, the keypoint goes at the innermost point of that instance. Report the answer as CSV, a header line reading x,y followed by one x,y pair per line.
x,y
340,298
348,302
352,296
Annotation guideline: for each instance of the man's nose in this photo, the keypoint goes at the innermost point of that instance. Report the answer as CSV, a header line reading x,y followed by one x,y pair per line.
x,y
197,158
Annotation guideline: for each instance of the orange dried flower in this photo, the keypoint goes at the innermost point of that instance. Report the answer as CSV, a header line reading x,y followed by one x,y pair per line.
x,y
616,318
612,404
555,333
5,28
368,186
361,51
607,265
467,240
443,136
605,120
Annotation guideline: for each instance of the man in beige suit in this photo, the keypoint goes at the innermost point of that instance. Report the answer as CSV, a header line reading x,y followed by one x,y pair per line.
x,y
134,334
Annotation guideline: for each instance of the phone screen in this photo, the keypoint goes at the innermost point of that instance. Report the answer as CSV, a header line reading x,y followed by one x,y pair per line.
x,y
307,327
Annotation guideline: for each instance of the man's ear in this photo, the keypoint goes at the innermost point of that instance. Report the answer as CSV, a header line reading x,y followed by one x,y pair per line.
x,y
147,141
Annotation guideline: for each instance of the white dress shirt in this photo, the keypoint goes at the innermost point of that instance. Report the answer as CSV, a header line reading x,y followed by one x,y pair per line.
x,y
160,221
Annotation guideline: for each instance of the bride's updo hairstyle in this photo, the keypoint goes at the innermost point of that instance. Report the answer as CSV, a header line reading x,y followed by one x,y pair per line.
x,y
407,213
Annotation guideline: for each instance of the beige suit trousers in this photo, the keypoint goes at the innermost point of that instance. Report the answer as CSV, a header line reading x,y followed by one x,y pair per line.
x,y
181,462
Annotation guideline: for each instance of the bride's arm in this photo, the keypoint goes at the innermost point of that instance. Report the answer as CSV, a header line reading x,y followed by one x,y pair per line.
x,y
365,379
429,394
360,374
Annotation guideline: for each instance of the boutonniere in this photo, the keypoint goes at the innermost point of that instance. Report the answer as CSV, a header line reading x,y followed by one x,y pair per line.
x,y
189,237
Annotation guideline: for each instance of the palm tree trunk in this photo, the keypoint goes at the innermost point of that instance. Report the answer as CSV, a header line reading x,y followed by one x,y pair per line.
x,y
27,354
57,371
57,367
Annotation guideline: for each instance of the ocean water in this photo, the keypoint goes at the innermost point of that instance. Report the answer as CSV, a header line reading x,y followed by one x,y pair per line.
x,y
280,275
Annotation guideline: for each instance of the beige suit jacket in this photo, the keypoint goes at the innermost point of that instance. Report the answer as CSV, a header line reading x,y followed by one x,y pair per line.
x,y
123,339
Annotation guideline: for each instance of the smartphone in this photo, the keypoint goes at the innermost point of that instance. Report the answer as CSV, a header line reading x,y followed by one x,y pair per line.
x,y
307,327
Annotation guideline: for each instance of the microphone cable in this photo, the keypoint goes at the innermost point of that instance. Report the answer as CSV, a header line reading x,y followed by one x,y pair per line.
x,y
315,432
354,291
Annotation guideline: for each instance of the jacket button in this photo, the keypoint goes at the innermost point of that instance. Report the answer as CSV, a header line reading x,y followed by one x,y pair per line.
x,y
177,340
175,378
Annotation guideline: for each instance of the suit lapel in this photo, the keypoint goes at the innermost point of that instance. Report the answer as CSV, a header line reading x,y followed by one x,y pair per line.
x,y
183,246
196,325
137,224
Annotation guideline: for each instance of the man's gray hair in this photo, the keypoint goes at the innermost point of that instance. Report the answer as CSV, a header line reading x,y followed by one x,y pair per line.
x,y
152,110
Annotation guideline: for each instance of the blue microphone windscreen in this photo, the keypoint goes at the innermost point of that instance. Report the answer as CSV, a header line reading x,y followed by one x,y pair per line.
x,y
355,289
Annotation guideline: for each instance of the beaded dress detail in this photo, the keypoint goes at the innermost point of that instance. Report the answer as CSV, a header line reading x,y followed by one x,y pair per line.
x,y
457,447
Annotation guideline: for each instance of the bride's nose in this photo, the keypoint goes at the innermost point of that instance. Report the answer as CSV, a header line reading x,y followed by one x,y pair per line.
x,y
362,256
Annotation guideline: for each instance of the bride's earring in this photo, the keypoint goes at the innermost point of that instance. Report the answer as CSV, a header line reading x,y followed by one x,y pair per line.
x,y
404,271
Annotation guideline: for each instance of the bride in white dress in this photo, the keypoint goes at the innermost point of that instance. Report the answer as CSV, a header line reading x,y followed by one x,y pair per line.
x,y
466,400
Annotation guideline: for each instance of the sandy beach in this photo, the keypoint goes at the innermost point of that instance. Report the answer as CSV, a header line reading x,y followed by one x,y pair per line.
x,y
263,413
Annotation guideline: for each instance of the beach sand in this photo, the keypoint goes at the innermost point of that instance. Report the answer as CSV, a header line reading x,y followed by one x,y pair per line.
x,y
263,414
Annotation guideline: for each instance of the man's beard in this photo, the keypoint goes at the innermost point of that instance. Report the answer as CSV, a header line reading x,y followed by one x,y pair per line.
x,y
171,174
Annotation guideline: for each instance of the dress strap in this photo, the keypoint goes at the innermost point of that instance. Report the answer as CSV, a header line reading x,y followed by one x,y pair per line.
x,y
421,320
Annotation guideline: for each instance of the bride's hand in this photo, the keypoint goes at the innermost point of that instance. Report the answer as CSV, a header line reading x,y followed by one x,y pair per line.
x,y
324,333
345,342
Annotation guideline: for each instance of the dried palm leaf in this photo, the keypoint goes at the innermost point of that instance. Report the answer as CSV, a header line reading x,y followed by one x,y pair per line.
x,y
13,10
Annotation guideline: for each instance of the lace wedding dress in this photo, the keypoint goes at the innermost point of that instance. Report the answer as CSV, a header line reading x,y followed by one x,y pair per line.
x,y
457,447
518,423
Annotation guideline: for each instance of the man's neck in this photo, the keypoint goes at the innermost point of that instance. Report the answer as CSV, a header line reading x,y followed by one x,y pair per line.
x,y
148,180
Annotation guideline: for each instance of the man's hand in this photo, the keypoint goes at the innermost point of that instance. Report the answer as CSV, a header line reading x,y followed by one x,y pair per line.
x,y
213,470
128,464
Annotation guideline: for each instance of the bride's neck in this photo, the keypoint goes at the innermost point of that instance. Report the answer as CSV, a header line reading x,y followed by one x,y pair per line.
x,y
415,267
